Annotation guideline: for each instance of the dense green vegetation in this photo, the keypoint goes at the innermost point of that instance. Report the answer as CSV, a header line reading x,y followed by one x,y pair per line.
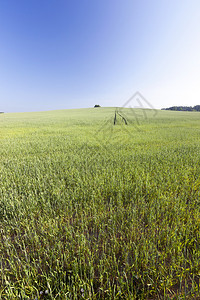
x,y
184,108
89,210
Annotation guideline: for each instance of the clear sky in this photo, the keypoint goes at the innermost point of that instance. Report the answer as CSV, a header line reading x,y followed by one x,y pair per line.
x,y
58,54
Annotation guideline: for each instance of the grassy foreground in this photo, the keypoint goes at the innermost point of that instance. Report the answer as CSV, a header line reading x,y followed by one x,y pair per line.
x,y
89,210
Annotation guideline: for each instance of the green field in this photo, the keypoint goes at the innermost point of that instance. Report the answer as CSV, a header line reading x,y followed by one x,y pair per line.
x,y
89,210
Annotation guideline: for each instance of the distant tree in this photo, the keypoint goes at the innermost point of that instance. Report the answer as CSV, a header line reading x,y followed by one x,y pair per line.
x,y
97,105
184,108
196,107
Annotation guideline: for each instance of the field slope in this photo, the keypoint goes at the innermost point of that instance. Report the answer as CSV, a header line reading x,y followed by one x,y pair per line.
x,y
92,210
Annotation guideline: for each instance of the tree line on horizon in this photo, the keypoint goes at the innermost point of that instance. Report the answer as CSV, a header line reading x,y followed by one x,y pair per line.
x,y
183,108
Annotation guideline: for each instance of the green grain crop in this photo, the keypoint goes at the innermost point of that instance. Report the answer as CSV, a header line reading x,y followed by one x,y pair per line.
x,y
93,210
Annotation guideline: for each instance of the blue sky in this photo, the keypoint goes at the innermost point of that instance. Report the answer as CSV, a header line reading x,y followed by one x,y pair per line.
x,y
59,54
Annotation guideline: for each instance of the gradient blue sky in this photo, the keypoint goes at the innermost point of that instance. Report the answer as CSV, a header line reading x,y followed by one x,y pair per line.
x,y
57,54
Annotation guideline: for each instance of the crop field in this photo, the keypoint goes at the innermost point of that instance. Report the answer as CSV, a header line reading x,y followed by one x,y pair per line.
x,y
93,210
